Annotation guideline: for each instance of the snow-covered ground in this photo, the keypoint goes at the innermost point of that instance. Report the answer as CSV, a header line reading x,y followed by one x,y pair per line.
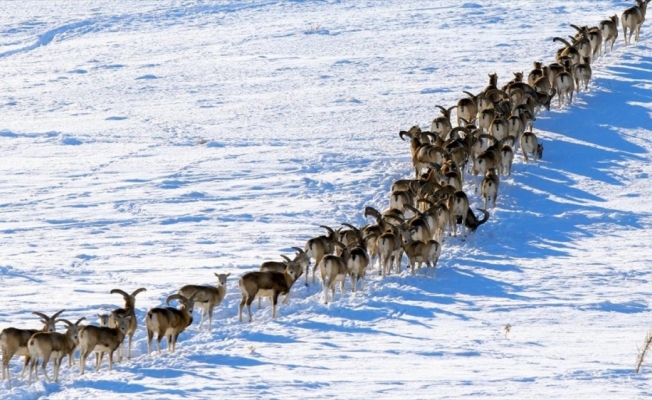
x,y
153,143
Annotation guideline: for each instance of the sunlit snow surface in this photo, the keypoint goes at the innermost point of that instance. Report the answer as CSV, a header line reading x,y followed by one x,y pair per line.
x,y
153,143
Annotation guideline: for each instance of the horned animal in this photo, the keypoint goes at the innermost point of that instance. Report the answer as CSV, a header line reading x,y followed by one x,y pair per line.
x,y
419,252
490,185
265,283
472,222
441,126
333,269
565,85
632,19
530,145
536,73
357,261
593,35
207,297
582,74
102,339
274,266
317,247
168,322
467,108
389,250
128,309
43,345
609,28
568,51
13,341
507,158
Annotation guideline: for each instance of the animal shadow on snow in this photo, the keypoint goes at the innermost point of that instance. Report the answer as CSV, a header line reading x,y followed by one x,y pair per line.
x,y
550,210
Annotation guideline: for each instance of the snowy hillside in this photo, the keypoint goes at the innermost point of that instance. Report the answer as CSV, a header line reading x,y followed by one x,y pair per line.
x,y
154,143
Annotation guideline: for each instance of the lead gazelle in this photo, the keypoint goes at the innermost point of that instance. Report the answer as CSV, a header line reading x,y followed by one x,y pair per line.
x,y
632,19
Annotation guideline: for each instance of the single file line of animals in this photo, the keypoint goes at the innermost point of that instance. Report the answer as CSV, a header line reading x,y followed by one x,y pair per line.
x,y
491,126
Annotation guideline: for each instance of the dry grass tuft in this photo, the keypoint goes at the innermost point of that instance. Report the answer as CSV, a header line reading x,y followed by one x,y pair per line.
x,y
641,352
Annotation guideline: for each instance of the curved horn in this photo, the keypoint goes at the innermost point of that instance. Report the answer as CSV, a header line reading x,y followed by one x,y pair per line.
x,y
485,217
564,41
120,292
353,228
330,231
458,129
425,189
469,94
415,186
404,133
475,226
394,217
57,314
139,290
285,258
576,27
298,249
40,314
443,110
175,297
449,109
433,137
65,321
79,320
370,211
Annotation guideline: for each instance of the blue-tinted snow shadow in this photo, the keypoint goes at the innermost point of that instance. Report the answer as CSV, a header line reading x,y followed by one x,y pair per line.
x,y
114,386
320,326
226,359
551,210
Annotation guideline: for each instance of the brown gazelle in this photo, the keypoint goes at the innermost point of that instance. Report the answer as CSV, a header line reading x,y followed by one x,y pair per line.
x,y
55,345
265,283
207,297
102,339
13,341
632,19
128,309
168,322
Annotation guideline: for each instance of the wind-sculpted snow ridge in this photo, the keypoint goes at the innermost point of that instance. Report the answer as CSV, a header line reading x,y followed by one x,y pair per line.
x,y
165,143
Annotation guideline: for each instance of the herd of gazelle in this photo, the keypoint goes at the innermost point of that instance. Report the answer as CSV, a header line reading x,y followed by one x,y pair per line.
x,y
490,126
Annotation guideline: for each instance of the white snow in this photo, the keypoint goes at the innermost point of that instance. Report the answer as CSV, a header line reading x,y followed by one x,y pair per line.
x,y
153,143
